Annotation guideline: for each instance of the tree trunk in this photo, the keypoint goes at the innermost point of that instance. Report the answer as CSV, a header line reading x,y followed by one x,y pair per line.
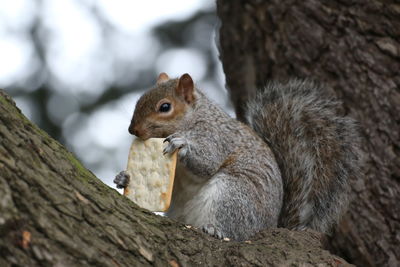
x,y
353,48
54,212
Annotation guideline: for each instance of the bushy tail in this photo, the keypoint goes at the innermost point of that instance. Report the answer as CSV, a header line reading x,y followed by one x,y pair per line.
x,y
317,151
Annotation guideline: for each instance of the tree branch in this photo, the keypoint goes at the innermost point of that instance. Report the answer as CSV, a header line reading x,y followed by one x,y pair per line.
x,y
54,211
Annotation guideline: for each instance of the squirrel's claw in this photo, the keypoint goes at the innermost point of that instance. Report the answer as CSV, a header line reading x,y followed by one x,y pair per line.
x,y
122,180
213,231
175,143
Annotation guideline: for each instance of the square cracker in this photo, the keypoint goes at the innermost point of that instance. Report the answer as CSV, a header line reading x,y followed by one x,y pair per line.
x,y
151,174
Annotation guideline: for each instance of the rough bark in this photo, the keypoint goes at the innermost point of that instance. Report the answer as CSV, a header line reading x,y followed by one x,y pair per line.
x,y
54,212
352,47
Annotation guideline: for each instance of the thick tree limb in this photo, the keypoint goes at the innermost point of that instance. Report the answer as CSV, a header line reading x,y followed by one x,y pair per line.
x,y
353,47
53,211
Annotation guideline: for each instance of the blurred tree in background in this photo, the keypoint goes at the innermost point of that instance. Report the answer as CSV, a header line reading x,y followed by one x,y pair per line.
x,y
353,47
76,68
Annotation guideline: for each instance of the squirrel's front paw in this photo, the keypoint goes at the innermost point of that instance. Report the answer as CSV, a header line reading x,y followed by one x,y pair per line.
x,y
122,179
176,142
213,231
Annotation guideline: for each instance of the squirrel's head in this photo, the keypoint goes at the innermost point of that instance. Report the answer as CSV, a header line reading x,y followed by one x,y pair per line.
x,y
159,111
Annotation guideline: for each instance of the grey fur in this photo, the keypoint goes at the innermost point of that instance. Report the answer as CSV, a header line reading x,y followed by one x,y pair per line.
x,y
227,178
317,150
292,172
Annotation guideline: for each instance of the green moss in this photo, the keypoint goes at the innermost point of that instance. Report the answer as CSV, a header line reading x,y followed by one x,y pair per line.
x,y
83,173
10,106
3,100
85,176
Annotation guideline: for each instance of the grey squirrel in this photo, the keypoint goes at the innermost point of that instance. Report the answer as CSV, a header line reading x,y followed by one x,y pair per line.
x,y
288,166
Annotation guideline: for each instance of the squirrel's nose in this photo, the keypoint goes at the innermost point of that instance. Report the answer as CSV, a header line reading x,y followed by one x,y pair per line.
x,y
134,130
131,129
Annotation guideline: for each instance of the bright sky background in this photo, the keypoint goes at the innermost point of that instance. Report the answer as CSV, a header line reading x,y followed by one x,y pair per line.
x,y
82,65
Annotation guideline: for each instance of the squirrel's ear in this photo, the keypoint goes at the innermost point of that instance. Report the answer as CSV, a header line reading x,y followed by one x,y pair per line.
x,y
163,77
185,88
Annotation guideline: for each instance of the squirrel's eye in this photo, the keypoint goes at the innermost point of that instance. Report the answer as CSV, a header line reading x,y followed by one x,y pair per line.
x,y
165,107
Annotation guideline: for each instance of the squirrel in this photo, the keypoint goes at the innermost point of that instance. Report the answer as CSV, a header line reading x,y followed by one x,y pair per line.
x,y
288,165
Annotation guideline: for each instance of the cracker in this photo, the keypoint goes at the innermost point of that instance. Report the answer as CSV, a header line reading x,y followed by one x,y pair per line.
x,y
151,174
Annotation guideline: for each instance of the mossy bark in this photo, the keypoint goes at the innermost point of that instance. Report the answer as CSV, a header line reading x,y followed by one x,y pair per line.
x,y
353,47
54,212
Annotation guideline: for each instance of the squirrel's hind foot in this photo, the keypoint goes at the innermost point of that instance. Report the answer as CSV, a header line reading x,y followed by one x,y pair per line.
x,y
213,231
